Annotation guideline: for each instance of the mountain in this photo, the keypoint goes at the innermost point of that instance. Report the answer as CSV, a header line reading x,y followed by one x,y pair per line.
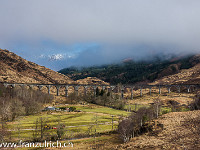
x,y
131,72
14,68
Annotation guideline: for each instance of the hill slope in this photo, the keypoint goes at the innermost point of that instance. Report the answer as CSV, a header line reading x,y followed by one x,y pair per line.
x,y
92,80
186,76
133,72
180,131
13,68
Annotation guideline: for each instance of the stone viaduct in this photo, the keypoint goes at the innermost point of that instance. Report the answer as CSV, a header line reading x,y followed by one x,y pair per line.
x,y
188,87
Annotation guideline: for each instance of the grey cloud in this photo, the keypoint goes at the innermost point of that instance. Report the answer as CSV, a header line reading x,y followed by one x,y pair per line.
x,y
120,26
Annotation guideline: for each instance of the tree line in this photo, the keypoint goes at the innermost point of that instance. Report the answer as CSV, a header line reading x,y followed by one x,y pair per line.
x,y
19,101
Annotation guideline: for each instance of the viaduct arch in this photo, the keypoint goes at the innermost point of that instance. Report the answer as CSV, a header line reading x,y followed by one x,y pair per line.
x,y
111,88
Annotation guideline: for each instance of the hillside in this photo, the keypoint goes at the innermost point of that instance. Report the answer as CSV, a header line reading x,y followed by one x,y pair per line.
x,y
185,76
186,70
14,68
92,80
175,130
130,72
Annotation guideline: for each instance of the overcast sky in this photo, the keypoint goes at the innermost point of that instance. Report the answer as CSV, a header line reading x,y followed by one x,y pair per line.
x,y
62,33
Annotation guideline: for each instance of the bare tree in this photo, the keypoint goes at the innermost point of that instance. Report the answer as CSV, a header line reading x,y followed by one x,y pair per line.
x,y
6,109
40,129
17,108
60,130
125,129
157,107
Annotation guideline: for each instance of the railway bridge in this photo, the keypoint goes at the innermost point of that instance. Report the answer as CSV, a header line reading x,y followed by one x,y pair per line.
x,y
111,88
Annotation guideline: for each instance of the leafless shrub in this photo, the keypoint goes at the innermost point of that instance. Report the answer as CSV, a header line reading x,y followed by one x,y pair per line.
x,y
195,105
4,133
174,105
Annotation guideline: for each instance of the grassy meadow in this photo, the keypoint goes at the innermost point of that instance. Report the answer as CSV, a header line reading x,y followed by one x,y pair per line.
x,y
84,122
92,124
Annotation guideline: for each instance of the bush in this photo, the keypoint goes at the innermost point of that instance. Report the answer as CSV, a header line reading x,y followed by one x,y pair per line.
x,y
62,108
71,109
165,112
60,130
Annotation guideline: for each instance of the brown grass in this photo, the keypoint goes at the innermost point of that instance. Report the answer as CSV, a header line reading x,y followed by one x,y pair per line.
x,y
173,136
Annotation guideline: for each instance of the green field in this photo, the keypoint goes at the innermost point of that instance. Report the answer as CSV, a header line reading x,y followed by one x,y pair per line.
x,y
91,117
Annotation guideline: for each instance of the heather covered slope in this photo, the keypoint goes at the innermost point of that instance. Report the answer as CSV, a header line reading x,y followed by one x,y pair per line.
x,y
176,130
14,68
185,76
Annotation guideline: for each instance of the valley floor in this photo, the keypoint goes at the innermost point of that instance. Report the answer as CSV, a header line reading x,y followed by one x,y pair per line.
x,y
177,132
